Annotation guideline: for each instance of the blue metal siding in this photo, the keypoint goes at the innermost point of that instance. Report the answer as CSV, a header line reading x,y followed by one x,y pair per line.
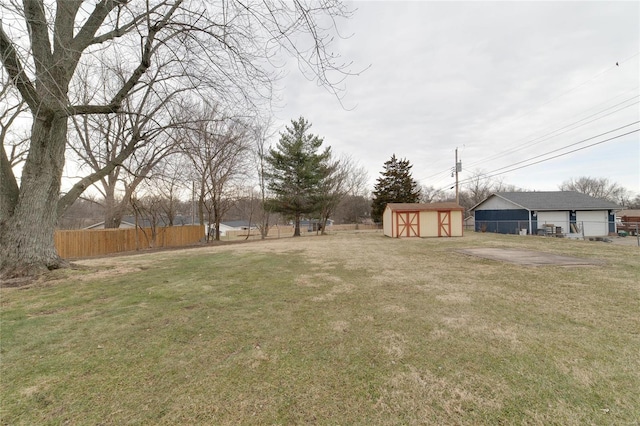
x,y
502,221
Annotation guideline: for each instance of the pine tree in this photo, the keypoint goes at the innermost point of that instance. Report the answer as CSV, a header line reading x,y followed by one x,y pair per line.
x,y
297,172
395,185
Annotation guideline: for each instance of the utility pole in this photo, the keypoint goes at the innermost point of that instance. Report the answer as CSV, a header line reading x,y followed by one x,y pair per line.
x,y
458,170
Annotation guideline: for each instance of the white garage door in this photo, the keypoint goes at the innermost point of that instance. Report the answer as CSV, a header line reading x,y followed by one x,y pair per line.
x,y
594,223
555,218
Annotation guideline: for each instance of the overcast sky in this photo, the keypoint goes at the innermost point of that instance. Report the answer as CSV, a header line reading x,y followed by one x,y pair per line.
x,y
507,83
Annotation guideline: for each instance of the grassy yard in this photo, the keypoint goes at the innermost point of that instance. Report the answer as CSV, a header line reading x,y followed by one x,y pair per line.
x,y
350,328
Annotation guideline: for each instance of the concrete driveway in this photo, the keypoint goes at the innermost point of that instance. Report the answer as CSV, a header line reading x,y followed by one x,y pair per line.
x,y
528,257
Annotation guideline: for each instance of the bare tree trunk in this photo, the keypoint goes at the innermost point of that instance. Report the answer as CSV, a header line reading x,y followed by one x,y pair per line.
x,y
264,225
249,230
26,237
296,230
9,190
216,217
262,133
114,209
201,207
323,223
210,223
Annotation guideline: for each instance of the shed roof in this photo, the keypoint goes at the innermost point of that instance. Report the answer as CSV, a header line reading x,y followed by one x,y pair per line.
x,y
554,200
423,206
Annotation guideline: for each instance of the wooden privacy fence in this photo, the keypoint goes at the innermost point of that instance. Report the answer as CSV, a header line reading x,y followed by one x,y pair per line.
x,y
96,242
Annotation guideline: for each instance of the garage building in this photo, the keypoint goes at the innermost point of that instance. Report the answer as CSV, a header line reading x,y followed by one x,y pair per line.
x,y
557,212
423,220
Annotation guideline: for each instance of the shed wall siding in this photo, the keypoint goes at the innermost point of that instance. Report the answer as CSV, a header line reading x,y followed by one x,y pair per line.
x,y
428,223
457,223
387,225
430,227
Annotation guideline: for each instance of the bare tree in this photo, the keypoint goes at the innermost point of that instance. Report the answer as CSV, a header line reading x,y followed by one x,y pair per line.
x,y
120,150
148,216
11,139
597,188
216,146
353,209
429,194
479,186
634,203
224,45
347,178
171,181
85,211
13,146
357,177
262,133
355,206
156,202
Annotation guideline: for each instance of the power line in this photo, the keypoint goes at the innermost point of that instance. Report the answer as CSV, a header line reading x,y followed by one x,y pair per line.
x,y
559,132
568,146
510,168
566,153
554,133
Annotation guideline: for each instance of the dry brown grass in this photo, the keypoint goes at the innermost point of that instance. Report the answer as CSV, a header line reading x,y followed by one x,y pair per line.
x,y
351,328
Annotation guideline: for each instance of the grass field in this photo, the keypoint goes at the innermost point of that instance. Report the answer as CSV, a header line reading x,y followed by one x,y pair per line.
x,y
349,328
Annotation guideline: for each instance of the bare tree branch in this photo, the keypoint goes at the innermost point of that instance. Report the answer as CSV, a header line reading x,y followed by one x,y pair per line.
x,y
16,71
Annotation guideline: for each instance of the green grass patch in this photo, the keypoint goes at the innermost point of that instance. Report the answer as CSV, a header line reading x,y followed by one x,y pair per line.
x,y
351,328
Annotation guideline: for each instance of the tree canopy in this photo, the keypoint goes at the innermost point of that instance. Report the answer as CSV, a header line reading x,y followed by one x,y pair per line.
x,y
395,185
597,188
185,49
297,172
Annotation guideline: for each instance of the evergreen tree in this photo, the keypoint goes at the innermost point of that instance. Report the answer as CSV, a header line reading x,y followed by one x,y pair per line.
x,y
395,185
297,172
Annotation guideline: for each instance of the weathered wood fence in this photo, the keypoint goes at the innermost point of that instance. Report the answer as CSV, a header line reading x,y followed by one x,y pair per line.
x,y
96,242
285,231
355,227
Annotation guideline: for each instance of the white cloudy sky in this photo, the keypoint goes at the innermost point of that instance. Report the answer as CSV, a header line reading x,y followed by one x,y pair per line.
x,y
508,83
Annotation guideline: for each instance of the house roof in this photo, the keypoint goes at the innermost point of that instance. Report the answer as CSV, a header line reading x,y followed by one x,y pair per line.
x,y
553,200
100,225
238,224
423,206
130,222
